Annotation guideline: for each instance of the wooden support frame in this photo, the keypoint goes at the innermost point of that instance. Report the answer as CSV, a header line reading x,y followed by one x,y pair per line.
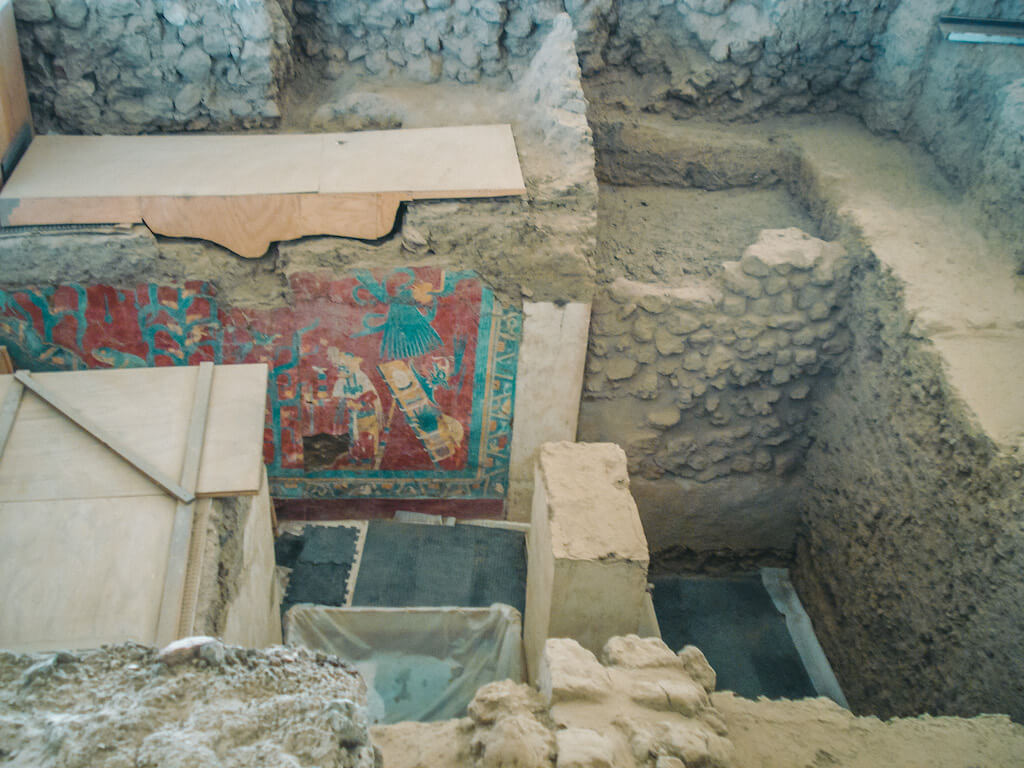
x,y
172,622
73,414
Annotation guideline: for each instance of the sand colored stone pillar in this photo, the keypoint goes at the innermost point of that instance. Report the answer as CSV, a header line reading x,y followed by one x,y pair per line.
x,y
549,383
587,571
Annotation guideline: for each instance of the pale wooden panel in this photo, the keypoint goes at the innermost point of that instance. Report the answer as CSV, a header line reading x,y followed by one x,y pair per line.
x,y
459,161
75,210
232,461
147,409
77,573
247,224
139,166
14,109
462,161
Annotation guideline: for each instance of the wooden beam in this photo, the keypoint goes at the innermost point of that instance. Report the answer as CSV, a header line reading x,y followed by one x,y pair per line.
x,y
101,434
171,621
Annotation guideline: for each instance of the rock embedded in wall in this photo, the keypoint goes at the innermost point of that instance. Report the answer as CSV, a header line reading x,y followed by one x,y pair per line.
x,y
640,705
135,66
713,379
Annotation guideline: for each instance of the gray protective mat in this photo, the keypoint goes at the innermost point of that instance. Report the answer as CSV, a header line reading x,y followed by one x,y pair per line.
x,y
734,622
320,559
405,565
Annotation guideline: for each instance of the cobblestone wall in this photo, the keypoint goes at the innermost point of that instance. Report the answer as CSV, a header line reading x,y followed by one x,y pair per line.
x,y
713,379
131,66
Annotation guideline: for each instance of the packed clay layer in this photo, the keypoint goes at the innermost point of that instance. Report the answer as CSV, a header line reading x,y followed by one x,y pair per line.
x,y
817,732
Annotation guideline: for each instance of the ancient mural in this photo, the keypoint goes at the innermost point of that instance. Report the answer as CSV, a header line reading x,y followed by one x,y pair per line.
x,y
383,384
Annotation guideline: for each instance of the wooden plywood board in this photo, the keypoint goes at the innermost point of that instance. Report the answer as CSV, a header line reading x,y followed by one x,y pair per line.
x,y
78,573
14,109
246,191
48,457
142,166
461,161
248,224
458,161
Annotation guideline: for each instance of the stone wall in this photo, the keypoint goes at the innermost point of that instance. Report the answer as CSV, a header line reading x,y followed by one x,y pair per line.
x,y
728,57
712,380
427,40
132,66
914,543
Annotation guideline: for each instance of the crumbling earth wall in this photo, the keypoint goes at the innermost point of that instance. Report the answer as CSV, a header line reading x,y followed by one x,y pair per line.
x,y
202,703
913,540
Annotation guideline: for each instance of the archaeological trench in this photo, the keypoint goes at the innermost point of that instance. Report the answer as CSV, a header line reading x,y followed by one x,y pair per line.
x,y
759,310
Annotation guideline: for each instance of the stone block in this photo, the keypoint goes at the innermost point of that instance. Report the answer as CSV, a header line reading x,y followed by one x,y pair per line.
x,y
740,283
587,553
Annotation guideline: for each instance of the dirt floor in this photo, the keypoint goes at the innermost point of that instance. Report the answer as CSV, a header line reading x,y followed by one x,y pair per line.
x,y
817,733
665,234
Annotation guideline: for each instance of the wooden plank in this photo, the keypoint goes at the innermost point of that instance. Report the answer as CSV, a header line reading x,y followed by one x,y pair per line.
x,y
16,212
8,411
193,573
147,408
247,224
142,166
111,441
245,192
6,364
457,161
170,620
232,463
14,107
76,573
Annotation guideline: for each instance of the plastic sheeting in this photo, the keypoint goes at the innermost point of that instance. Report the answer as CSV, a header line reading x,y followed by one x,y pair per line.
x,y
419,663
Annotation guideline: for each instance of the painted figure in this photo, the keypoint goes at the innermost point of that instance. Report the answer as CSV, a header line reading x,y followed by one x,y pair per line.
x,y
359,407
411,307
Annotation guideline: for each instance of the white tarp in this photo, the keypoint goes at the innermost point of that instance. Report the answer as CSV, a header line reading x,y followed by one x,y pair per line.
x,y
419,663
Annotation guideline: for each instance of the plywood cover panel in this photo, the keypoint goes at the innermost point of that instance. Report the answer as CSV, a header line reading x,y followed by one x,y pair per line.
x,y
459,161
463,161
77,573
140,166
14,110
48,457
